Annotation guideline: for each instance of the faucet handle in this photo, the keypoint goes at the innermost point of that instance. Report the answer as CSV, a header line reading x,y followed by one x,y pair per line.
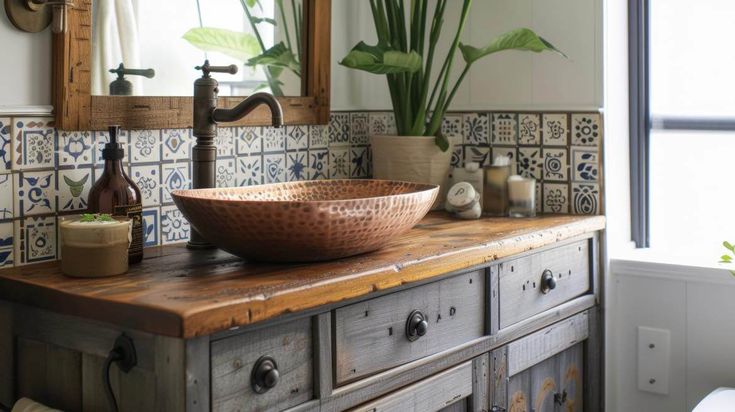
x,y
206,69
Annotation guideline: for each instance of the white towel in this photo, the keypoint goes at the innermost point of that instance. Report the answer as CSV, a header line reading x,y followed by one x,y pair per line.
x,y
27,405
114,41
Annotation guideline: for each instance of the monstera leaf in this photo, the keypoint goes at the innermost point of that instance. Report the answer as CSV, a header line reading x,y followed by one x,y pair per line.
x,y
277,58
381,60
241,46
518,39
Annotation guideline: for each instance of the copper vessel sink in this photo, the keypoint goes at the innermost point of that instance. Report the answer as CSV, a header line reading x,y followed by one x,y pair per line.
x,y
306,221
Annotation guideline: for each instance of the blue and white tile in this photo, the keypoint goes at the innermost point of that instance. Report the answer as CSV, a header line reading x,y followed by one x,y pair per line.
x,y
359,162
274,167
509,152
586,129
477,154
148,180
101,138
176,144
249,141
585,164
174,226
297,137
6,244
151,226
585,198
318,164
274,140
339,129
529,129
225,141
34,143
555,198
75,148
35,193
74,185
476,128
556,164
6,145
555,128
452,127
297,165
530,162
7,196
36,240
339,163
145,146
174,176
318,136
226,172
359,129
249,170
382,123
505,129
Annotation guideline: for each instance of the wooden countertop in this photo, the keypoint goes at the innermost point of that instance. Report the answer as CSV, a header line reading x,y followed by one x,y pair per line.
x,y
182,293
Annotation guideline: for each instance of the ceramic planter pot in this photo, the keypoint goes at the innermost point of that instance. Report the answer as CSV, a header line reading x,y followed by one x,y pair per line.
x,y
412,159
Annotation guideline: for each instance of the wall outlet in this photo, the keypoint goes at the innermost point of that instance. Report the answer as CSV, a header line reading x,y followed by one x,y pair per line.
x,y
654,350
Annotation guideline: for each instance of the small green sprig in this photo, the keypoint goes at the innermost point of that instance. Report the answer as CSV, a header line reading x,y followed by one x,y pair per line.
x,y
728,258
96,217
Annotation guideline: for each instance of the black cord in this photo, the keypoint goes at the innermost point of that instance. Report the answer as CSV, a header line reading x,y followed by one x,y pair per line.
x,y
114,356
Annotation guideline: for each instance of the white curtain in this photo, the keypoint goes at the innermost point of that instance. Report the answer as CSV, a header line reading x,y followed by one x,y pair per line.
x,y
114,41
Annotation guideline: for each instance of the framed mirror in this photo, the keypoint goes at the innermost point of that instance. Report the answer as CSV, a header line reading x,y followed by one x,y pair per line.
x,y
132,62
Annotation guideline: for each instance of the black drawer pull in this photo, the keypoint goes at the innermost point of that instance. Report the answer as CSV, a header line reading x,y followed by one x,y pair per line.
x,y
548,281
416,325
265,375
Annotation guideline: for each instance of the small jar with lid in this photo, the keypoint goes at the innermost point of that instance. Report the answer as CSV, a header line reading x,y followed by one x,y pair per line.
x,y
463,201
521,196
94,247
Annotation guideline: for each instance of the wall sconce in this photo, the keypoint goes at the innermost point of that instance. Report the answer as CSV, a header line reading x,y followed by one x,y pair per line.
x,y
35,15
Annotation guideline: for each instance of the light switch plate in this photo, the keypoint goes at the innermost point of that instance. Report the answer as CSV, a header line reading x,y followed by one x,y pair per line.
x,y
654,350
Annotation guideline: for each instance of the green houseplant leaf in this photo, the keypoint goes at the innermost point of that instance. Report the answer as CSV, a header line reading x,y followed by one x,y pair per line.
x,y
241,46
518,39
381,60
278,56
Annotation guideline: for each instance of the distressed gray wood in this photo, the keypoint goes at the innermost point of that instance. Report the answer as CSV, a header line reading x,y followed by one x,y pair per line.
x,y
197,374
544,385
170,369
93,393
460,406
519,392
594,363
136,391
233,359
49,374
493,300
499,377
431,394
370,336
480,382
572,378
323,361
530,350
520,281
7,354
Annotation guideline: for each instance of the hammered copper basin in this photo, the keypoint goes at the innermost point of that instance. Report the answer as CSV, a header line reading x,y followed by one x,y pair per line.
x,y
306,221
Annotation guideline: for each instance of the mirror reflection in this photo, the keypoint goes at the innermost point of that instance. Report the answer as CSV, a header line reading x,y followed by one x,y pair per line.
x,y
150,48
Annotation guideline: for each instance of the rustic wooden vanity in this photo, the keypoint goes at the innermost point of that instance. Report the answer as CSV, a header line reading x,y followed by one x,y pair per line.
x,y
488,315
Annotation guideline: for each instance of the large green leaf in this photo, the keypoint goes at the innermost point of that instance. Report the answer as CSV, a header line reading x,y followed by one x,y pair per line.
x,y
278,56
241,46
381,60
518,39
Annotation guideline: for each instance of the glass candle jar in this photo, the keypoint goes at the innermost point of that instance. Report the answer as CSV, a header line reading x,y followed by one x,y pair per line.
x,y
495,188
521,196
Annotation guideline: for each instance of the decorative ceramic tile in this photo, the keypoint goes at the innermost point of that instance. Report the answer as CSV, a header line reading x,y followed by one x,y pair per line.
x,y
148,180
457,156
555,129
529,129
174,226
297,138
75,148
318,137
6,244
556,198
36,241
452,127
530,162
359,162
556,164
6,196
249,140
34,143
476,154
585,164
74,185
151,225
382,123
36,193
174,176
339,129
145,146
318,164
586,198
359,129
339,163
226,172
509,152
274,139
225,141
6,150
505,129
274,167
297,164
586,130
249,170
101,138
476,128
176,144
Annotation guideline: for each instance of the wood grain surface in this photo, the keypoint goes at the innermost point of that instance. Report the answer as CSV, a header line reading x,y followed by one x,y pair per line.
x,y
182,293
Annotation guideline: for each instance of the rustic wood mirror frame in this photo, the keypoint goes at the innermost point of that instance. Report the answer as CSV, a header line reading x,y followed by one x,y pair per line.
x,y
76,109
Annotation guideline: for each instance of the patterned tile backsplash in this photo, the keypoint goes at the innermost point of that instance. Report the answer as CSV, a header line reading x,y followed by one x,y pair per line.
x,y
46,173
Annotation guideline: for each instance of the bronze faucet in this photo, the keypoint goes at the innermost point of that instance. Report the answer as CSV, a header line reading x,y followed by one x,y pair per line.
x,y
206,117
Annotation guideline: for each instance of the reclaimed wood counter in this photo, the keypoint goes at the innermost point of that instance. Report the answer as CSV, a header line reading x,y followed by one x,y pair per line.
x,y
181,293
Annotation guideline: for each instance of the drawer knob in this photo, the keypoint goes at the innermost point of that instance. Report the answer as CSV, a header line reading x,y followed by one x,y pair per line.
x,y
416,325
548,281
265,375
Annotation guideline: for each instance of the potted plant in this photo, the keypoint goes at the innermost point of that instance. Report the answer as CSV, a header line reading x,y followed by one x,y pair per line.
x,y
421,98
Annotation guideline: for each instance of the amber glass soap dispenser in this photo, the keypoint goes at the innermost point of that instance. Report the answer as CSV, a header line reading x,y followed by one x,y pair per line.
x,y
115,193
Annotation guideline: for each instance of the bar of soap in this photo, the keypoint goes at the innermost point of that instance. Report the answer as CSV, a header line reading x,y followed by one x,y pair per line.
x,y
94,249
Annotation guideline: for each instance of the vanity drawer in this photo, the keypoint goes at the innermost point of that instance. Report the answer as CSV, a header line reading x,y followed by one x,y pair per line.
x,y
446,391
235,358
372,336
535,283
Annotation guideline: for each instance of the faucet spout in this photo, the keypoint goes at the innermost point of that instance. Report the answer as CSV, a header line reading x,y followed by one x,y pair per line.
x,y
220,115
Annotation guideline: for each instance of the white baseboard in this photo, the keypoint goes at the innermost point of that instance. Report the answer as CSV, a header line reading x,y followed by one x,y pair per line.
x,y
17,111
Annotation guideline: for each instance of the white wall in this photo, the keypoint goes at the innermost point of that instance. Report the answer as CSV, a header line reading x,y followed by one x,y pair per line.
x,y
25,72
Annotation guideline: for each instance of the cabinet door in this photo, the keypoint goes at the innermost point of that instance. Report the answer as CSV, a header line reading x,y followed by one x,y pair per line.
x,y
544,385
519,392
571,378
